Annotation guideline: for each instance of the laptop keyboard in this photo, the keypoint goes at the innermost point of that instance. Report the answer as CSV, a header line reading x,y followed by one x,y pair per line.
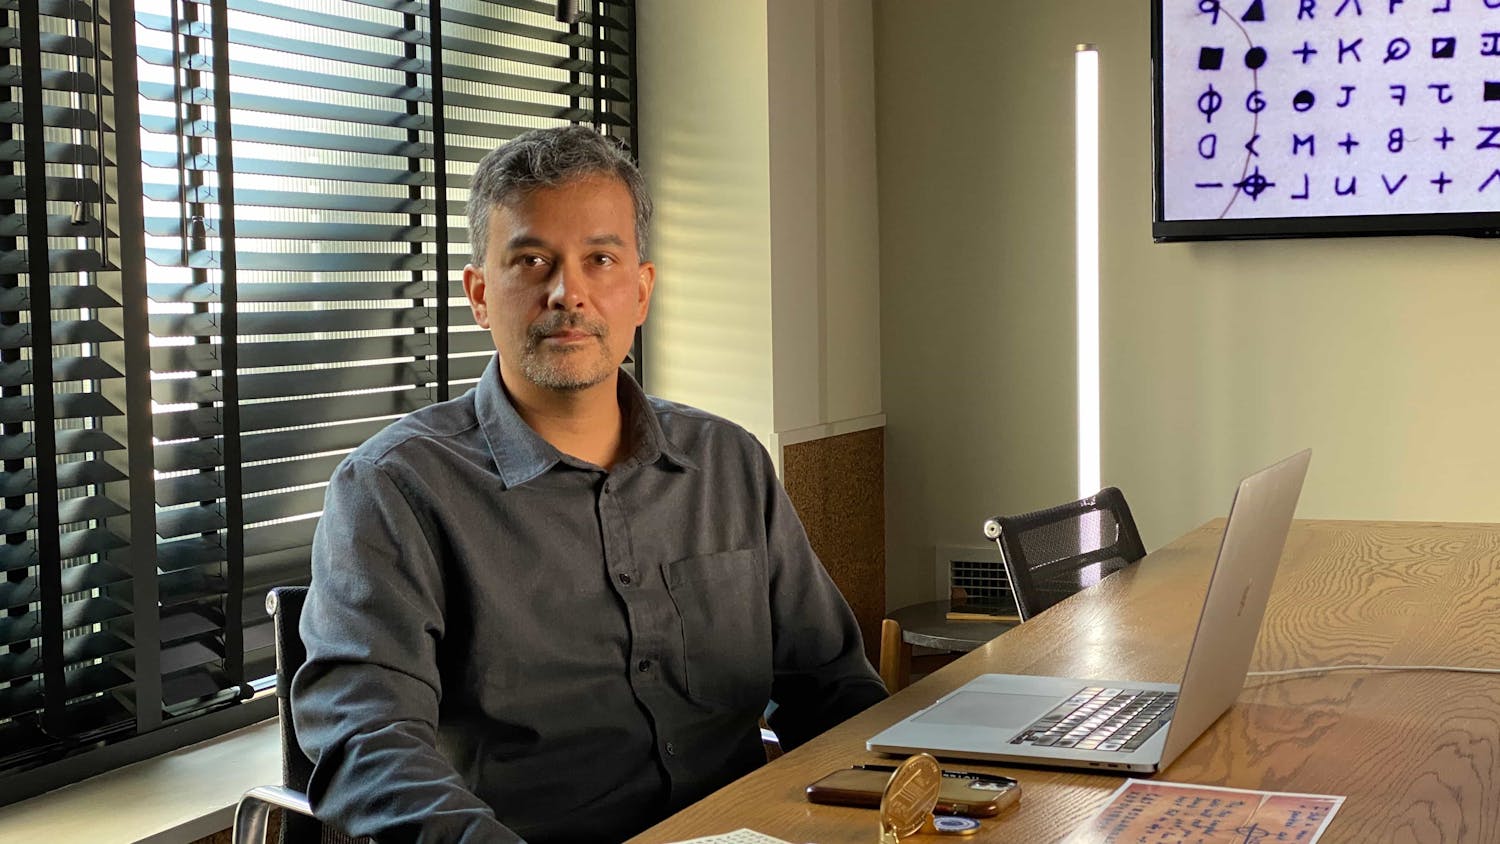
x,y
1102,719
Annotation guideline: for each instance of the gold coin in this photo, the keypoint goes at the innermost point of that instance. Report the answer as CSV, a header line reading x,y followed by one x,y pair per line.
x,y
910,796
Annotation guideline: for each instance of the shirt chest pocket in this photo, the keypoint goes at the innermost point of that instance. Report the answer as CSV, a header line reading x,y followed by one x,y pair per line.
x,y
721,600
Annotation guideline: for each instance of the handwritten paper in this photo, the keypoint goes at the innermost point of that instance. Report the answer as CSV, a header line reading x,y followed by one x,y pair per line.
x,y
1146,812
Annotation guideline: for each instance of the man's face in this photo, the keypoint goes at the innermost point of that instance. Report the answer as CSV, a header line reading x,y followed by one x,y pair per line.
x,y
562,287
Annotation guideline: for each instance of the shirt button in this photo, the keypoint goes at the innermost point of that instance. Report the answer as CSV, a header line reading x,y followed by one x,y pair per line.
x,y
624,579
671,750
643,666
606,487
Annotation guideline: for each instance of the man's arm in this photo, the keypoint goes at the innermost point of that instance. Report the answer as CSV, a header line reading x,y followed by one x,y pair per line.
x,y
822,677
366,702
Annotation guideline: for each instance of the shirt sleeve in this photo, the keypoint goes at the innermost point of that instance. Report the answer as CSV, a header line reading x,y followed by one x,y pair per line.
x,y
365,703
821,676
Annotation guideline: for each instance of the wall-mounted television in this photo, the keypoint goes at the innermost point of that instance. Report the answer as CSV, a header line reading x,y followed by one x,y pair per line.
x,y
1294,118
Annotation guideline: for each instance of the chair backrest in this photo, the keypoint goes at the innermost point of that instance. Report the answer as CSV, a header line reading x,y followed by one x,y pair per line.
x,y
1053,553
895,657
284,604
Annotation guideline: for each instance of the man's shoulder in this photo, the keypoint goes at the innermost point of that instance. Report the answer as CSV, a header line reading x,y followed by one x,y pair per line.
x,y
688,415
710,442
418,430
684,424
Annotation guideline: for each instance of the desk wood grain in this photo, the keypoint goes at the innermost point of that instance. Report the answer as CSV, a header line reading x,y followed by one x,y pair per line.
x,y
1416,753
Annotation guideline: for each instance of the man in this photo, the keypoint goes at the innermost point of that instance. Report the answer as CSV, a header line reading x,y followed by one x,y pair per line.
x,y
553,609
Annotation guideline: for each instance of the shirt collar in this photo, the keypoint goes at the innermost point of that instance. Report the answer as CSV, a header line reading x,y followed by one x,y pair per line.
x,y
521,454
651,441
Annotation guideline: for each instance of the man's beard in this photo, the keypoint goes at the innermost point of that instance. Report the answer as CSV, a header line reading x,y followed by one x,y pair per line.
x,y
566,370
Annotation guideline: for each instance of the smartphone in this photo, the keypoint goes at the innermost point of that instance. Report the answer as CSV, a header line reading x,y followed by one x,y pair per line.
x,y
965,793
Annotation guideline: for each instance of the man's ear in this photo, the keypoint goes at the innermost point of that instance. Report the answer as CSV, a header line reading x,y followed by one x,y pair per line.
x,y
474,289
645,284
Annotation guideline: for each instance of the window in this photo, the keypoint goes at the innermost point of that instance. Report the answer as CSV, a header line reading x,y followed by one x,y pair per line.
x,y
199,318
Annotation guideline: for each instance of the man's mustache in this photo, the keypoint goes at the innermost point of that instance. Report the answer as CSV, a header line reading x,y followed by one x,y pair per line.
x,y
553,323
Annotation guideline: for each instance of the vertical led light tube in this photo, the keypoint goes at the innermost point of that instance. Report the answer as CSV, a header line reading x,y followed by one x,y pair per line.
x,y
1087,157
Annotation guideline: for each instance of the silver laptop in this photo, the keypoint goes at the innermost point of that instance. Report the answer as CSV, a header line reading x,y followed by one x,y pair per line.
x,y
1126,725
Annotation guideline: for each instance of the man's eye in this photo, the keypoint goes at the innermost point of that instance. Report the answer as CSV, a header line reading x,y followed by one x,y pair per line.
x,y
604,260
531,261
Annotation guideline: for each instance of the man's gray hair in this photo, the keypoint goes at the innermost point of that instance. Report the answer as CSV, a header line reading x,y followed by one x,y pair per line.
x,y
548,158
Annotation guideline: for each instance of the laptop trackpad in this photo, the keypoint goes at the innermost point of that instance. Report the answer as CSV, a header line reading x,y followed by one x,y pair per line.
x,y
989,709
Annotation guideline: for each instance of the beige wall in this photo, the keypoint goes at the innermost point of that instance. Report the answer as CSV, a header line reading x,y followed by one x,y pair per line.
x,y
758,141
1218,357
824,213
705,151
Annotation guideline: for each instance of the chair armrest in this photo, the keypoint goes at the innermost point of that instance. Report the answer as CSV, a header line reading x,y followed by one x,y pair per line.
x,y
770,743
254,811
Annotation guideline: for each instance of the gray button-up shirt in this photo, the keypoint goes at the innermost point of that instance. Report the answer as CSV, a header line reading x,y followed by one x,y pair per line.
x,y
506,641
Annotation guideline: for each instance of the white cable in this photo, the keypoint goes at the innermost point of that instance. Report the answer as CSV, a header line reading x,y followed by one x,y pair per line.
x,y
1464,669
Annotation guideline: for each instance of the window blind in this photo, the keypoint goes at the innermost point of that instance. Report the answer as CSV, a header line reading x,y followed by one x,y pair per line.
x,y
290,284
66,645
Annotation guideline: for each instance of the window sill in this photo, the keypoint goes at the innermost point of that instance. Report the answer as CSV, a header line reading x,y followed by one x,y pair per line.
x,y
176,797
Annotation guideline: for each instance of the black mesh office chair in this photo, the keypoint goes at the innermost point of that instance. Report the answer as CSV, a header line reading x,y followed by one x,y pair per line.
x,y
252,816
1053,553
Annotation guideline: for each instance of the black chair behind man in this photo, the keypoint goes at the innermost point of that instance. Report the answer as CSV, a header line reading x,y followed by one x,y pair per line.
x,y
1053,553
251,818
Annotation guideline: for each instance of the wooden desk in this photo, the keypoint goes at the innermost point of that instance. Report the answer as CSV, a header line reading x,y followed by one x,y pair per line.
x,y
1416,753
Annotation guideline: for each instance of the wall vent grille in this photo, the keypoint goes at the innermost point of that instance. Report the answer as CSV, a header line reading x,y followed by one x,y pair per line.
x,y
980,582
974,577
